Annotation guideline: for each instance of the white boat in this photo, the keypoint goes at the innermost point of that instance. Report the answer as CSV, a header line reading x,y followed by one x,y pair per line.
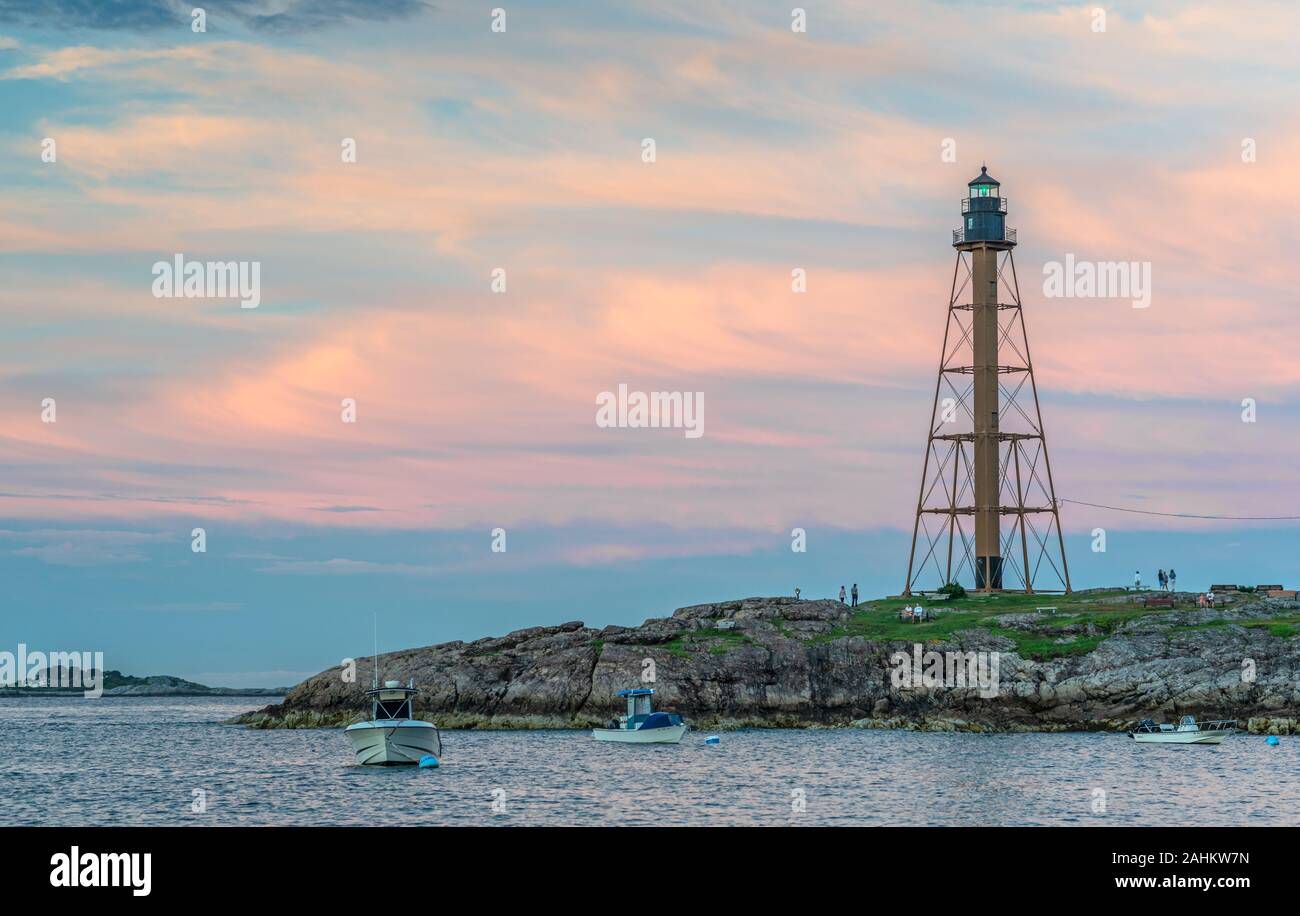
x,y
1187,731
393,736
642,725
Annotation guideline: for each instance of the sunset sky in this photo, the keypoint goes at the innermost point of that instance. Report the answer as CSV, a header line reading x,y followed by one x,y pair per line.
x,y
522,150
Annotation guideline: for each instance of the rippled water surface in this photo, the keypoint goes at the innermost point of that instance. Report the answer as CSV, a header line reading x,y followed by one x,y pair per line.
x,y
139,761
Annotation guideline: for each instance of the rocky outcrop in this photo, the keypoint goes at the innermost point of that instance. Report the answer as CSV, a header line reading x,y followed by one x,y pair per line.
x,y
784,662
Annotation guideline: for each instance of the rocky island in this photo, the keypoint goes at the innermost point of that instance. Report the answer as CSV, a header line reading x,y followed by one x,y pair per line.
x,y
1096,660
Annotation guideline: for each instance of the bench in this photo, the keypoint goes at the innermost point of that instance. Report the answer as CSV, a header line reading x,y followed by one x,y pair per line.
x,y
1220,589
1047,610
1157,602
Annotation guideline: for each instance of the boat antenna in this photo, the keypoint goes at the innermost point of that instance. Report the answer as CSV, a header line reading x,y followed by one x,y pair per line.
x,y
375,621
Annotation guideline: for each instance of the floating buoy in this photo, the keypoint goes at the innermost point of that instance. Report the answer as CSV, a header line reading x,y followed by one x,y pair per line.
x,y
713,739
1272,740
427,761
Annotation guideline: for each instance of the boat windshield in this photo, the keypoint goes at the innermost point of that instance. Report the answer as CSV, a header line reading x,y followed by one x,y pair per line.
x,y
393,709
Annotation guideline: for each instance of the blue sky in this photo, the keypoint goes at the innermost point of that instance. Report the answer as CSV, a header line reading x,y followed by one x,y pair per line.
x,y
268,608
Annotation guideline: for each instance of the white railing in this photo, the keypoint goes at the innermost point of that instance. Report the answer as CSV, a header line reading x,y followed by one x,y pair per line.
x,y
1000,208
959,236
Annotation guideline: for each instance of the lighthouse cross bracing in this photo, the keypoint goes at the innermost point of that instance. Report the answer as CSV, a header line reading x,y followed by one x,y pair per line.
x,y
986,453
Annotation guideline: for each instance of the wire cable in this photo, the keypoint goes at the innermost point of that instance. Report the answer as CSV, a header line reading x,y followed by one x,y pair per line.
x,y
1231,518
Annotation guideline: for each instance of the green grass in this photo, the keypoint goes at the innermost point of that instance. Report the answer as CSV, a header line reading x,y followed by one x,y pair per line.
x,y
676,647
878,621
1284,627
1276,628
881,621
725,641
1041,647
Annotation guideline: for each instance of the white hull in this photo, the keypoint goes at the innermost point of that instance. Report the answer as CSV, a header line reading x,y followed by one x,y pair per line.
x,y
1199,737
395,741
669,735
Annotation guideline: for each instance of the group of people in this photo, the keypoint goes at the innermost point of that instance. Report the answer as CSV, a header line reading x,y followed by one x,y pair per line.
x,y
1166,579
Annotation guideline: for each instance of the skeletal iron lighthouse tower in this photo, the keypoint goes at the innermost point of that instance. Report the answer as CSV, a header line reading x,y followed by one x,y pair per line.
x,y
986,456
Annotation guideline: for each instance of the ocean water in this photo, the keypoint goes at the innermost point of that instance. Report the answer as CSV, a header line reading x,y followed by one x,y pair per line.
x,y
141,762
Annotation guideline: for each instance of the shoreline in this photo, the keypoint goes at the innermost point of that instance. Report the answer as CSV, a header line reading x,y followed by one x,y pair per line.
x,y
1255,725
1098,661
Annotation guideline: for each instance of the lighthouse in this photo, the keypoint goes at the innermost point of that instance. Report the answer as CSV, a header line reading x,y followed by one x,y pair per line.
x,y
986,455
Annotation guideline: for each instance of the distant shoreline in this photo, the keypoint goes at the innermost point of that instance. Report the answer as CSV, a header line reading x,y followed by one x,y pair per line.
x,y
73,682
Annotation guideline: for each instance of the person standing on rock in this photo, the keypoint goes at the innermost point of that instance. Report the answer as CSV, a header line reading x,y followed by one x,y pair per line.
x,y
796,593
854,593
1172,576
1160,577
1137,579
841,594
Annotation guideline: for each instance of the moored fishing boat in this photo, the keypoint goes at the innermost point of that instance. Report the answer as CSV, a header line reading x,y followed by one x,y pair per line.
x,y
1187,731
642,725
393,735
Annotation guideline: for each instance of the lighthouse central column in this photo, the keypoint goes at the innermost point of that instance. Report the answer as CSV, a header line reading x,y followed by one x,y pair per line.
x,y
984,318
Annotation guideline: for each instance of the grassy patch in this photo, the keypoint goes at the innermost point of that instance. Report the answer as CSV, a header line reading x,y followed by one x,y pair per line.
x,y
1284,627
724,641
880,621
676,647
1041,647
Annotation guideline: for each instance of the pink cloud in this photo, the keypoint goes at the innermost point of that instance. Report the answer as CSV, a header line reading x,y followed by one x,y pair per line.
x,y
475,408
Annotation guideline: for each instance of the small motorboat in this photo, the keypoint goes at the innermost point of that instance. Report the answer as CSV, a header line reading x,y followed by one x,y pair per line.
x,y
1187,731
393,735
642,725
